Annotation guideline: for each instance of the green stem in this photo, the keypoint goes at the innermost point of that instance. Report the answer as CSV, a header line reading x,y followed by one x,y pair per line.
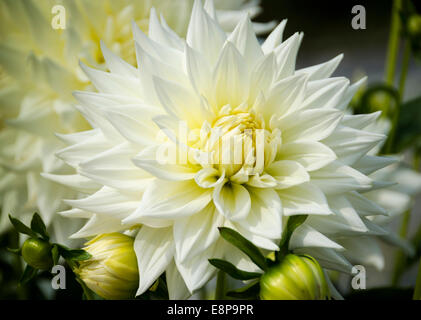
x,y
220,286
400,260
393,47
405,67
402,81
417,290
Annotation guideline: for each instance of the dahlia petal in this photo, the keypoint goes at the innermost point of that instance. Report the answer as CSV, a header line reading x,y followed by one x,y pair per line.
x,y
369,164
148,159
92,144
197,270
311,155
284,96
262,77
350,92
177,289
204,34
230,77
195,234
308,237
244,39
286,55
336,178
111,83
344,221
261,242
350,144
171,200
365,251
364,206
265,217
322,70
180,102
108,202
262,181
274,38
328,258
315,124
360,121
198,70
304,199
325,93
117,65
232,200
154,249
159,34
98,225
74,181
76,213
114,168
151,66
287,173
164,54
209,178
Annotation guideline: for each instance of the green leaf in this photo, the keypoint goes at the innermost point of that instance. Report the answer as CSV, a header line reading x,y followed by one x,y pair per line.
x,y
28,274
55,254
20,227
244,245
293,223
250,291
230,269
408,130
38,226
75,255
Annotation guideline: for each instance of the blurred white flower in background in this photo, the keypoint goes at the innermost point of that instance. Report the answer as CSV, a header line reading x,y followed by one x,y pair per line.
x,y
301,154
39,69
405,182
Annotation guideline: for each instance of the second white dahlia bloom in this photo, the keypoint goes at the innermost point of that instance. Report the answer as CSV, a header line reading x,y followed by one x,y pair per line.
x,y
249,141
38,71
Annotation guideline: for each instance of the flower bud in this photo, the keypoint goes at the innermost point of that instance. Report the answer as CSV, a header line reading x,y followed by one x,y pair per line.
x,y
296,277
112,271
37,253
414,25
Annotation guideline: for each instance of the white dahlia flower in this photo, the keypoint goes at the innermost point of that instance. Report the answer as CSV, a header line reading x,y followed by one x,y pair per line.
x,y
405,183
39,68
219,130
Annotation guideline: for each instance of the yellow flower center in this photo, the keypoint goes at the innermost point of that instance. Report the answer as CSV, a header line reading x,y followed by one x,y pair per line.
x,y
237,143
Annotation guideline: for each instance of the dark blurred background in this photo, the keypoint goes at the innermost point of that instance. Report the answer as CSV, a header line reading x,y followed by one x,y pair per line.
x,y
328,32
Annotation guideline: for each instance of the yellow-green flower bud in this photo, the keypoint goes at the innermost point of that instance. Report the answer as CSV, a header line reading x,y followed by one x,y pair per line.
x,y
296,277
112,272
37,253
414,25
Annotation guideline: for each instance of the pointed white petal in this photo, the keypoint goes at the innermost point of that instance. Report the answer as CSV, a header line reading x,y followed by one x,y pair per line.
x,y
204,34
171,199
287,173
304,199
195,234
315,124
244,38
274,38
154,249
323,70
265,217
232,200
311,155
177,289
